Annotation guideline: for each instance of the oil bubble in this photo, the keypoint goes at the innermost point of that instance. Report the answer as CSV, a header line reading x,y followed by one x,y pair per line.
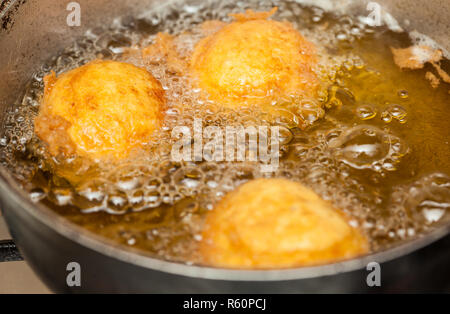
x,y
366,147
366,112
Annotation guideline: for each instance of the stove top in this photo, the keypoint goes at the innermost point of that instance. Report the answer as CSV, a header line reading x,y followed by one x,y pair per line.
x,y
17,277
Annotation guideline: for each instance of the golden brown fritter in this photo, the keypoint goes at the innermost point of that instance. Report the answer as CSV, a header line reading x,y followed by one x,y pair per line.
x,y
101,110
277,223
254,61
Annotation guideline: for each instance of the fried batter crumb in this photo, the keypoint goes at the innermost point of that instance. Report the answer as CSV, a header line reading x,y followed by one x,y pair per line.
x,y
444,76
250,15
164,48
434,81
211,27
415,57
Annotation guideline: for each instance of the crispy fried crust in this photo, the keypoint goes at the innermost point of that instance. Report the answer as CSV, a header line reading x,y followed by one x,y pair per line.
x,y
254,60
103,109
277,223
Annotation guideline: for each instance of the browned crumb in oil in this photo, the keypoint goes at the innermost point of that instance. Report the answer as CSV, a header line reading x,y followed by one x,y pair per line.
x,y
415,57
252,15
165,48
444,76
211,27
434,81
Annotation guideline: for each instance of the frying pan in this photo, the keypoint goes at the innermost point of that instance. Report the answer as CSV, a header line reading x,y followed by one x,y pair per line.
x,y
31,31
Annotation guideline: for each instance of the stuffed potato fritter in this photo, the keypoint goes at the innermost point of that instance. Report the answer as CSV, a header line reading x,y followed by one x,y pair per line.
x,y
254,61
101,110
277,223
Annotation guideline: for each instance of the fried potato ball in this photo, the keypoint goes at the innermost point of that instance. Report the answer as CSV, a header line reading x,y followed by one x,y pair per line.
x,y
101,110
277,223
254,61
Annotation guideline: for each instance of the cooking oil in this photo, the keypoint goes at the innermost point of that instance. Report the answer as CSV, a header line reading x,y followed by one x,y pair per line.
x,y
380,153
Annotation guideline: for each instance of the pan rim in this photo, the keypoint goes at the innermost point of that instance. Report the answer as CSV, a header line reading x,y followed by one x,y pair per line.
x,y
13,194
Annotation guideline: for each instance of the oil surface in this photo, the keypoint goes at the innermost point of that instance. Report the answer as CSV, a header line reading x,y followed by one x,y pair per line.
x,y
381,153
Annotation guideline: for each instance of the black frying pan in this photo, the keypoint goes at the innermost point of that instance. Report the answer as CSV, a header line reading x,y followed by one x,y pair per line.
x,y
30,32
